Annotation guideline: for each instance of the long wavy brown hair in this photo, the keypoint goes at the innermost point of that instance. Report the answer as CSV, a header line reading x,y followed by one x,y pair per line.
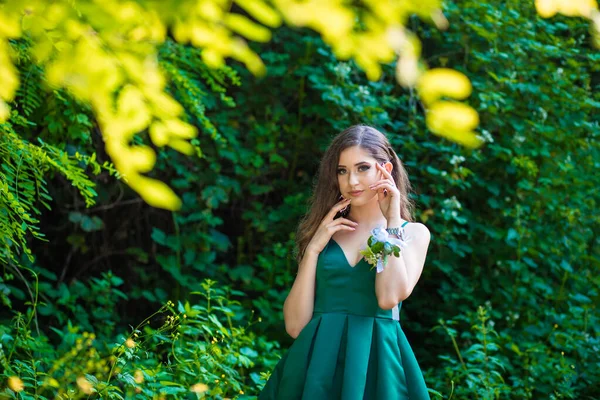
x,y
326,190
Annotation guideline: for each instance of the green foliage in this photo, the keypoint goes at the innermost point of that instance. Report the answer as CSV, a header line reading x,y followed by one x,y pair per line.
x,y
524,237
91,304
507,303
174,351
23,169
192,81
480,366
26,165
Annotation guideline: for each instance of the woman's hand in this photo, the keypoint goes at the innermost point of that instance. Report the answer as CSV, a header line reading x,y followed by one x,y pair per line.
x,y
329,226
390,203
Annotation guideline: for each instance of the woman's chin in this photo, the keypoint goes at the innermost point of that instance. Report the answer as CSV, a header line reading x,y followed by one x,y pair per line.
x,y
363,199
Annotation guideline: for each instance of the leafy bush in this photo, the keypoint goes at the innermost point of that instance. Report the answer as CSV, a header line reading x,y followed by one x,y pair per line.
x,y
189,348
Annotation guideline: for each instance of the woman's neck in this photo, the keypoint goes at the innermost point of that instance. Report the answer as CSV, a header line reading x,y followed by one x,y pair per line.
x,y
368,214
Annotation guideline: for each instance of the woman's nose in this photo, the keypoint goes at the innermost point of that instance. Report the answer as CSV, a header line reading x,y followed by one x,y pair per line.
x,y
352,179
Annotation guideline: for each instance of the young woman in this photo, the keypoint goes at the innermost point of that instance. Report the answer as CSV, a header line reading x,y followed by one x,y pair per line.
x,y
343,314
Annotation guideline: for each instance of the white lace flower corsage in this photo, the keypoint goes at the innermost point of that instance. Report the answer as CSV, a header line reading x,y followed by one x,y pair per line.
x,y
380,246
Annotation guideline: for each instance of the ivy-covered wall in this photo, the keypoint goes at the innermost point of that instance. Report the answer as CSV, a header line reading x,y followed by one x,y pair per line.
x,y
141,301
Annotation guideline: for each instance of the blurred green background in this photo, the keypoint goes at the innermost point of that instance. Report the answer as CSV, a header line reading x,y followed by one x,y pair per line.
x,y
507,305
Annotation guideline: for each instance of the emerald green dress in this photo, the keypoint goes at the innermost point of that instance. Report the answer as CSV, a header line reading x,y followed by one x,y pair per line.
x,y
351,349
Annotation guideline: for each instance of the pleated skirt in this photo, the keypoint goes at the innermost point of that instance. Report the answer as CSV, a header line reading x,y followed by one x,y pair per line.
x,y
347,357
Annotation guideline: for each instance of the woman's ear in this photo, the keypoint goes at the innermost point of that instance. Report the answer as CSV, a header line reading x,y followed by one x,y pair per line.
x,y
388,166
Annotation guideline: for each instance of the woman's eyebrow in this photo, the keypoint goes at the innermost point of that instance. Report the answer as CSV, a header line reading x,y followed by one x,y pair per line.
x,y
361,162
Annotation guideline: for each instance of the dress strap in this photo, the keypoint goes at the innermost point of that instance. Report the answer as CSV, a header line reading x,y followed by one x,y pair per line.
x,y
404,224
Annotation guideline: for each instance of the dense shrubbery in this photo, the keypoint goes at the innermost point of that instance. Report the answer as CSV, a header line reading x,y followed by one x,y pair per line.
x,y
174,351
506,306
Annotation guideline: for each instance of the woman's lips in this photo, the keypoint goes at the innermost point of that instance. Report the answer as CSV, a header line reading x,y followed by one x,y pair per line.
x,y
357,193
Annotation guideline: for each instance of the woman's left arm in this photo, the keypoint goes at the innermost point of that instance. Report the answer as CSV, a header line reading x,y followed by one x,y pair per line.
x,y
400,276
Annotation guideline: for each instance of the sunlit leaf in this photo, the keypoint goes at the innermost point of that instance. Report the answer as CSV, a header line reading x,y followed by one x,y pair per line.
x,y
261,11
454,121
546,8
439,82
155,193
4,111
247,28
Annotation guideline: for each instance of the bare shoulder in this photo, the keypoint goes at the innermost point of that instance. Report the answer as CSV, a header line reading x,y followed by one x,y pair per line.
x,y
419,232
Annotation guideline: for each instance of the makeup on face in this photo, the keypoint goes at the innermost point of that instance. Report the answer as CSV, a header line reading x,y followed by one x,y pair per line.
x,y
363,167
359,165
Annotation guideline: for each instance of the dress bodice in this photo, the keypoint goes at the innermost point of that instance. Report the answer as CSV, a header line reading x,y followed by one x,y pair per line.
x,y
340,287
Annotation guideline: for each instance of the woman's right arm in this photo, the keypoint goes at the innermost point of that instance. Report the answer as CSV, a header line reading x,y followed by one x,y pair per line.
x,y
300,302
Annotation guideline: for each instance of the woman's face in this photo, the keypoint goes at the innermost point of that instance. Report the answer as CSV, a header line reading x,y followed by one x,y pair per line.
x,y
356,171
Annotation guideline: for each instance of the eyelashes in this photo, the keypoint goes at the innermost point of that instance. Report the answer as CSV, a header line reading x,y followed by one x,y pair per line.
x,y
366,168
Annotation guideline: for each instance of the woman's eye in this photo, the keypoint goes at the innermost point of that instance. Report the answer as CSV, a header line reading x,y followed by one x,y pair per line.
x,y
362,168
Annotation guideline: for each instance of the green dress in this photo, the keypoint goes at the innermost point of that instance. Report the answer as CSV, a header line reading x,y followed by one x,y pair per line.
x,y
351,349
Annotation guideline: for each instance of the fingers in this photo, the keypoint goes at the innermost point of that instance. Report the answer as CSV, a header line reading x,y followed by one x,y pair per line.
x,y
346,221
337,207
384,171
343,223
384,183
387,183
385,188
